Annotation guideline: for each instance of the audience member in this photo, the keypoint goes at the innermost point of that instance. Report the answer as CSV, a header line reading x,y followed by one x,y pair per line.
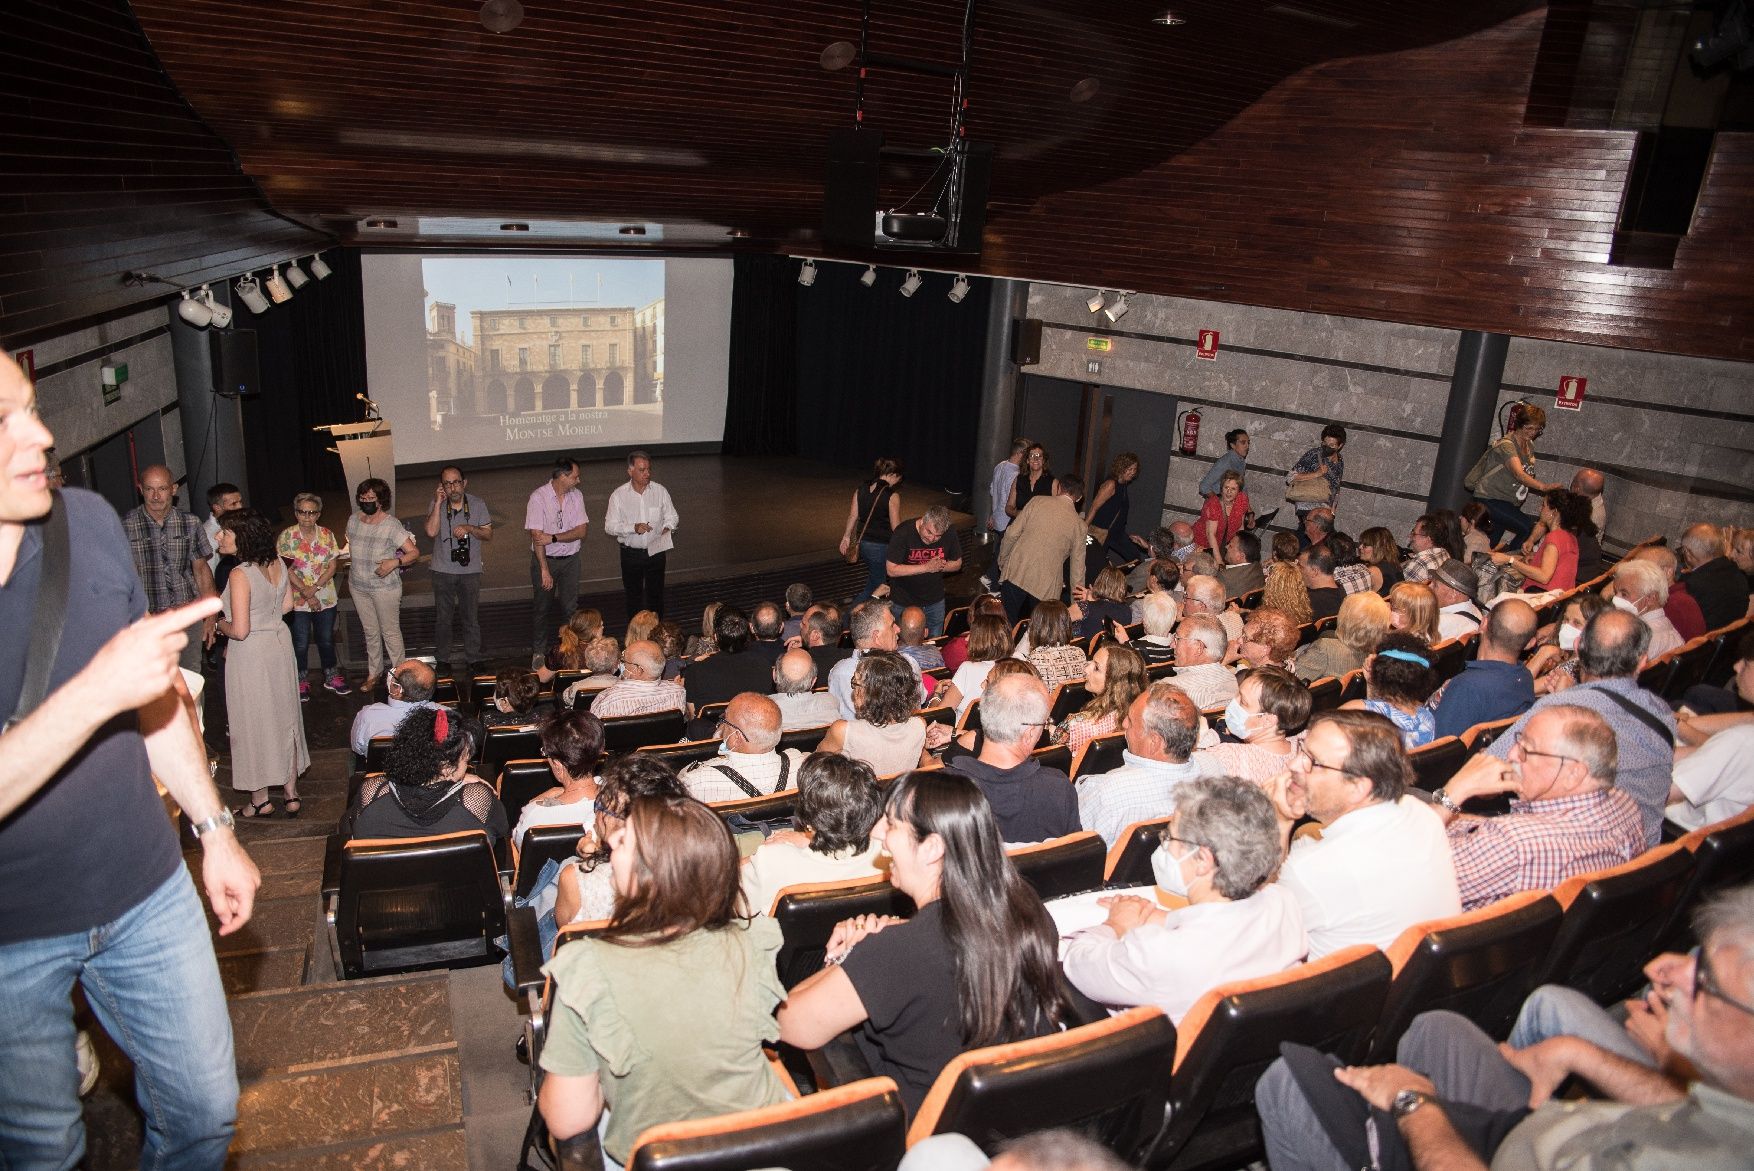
x,y
921,553
873,630
1205,595
794,680
663,1013
1106,518
1182,535
1363,620
1321,462
1566,817
1221,853
999,486
1199,662
1044,548
1350,573
602,658
911,640
1436,538
585,891
1381,862
1714,580
426,787
572,744
884,732
735,667
1161,727
956,649
1413,610
1610,654
312,554
642,627
1034,479
1641,588
750,764
1504,473
1234,459
1398,679
1051,652
642,689
1316,565
1200,564
222,498
989,640
976,965
1157,645
1104,605
1283,589
1554,664
1271,707
583,627
1553,566
706,642
1030,801
1682,610
1473,521
668,636
1712,779
1493,685
1269,639
1382,558
513,702
798,599
1222,514
1160,546
1242,573
1454,585
838,807
766,622
1314,527
410,686
1113,677
822,631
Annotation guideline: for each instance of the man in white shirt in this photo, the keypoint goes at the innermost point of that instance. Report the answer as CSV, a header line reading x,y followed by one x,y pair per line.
x,y
556,521
1642,588
1219,854
873,629
749,766
410,686
221,499
1455,585
1161,727
641,517
642,688
1715,780
1200,642
1382,862
999,489
794,678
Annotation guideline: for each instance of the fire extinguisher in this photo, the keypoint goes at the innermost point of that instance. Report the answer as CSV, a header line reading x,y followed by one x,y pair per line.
x,y
1189,422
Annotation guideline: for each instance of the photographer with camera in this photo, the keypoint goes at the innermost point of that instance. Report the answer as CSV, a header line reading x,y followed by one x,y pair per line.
x,y
460,526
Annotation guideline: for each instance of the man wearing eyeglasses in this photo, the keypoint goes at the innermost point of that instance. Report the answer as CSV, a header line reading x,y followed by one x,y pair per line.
x,y
752,764
1566,817
460,527
1460,1102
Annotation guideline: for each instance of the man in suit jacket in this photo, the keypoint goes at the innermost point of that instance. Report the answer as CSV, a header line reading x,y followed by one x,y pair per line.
x,y
1242,572
1043,549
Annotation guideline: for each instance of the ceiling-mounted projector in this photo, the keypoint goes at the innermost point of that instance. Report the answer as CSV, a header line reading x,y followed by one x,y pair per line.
x,y
916,227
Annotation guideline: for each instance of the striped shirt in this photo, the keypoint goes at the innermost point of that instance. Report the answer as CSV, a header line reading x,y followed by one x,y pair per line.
x,y
1539,844
638,697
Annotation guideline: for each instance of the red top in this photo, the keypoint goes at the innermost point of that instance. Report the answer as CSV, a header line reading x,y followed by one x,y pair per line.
x,y
1229,526
1565,573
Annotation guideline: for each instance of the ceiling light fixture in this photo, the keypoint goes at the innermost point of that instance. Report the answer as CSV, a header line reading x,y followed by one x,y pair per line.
x,y
249,291
958,288
1169,18
514,227
1094,304
380,223
912,282
275,287
1116,308
869,276
837,56
318,268
194,310
1084,90
296,276
632,230
807,274
221,312
501,16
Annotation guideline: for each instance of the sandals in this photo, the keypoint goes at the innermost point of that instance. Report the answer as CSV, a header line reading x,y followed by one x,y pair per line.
x,y
292,806
250,812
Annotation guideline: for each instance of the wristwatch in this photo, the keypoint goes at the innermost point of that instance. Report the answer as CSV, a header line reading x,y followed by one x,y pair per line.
x,y
1443,798
221,820
1406,1102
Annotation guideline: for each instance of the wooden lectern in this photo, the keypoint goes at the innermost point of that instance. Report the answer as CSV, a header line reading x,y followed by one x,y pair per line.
x,y
366,451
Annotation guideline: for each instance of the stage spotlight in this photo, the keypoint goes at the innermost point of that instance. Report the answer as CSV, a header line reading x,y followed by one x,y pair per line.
x,y
959,288
249,291
318,268
1095,302
275,287
296,276
501,16
807,274
221,313
869,276
838,56
1117,308
911,284
194,310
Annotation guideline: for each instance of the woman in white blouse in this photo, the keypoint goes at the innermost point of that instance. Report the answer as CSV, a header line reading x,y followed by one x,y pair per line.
x,y
572,744
989,640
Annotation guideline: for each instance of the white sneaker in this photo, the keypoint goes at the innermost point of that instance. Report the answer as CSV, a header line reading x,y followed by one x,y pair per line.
x,y
86,1057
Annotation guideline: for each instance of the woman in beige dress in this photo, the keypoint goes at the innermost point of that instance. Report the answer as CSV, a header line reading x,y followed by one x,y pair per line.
x,y
261,678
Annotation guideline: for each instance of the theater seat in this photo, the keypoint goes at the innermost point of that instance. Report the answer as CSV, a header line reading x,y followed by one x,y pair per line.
x,y
412,904
1233,1033
1129,859
377,751
1068,698
856,1127
1480,964
626,733
503,744
971,716
1324,695
1061,866
1106,1080
767,807
807,913
1100,754
1481,736
520,782
1723,857
803,739
1352,686
542,843
1435,763
679,756
1690,666
1056,756
1448,658
1613,919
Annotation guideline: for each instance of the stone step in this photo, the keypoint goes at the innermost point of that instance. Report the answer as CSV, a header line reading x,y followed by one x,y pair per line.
x,y
444,1149
350,1102
298,1029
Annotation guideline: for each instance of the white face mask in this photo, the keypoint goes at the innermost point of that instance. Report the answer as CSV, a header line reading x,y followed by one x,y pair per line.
x,y
1237,718
1568,636
1166,868
1622,604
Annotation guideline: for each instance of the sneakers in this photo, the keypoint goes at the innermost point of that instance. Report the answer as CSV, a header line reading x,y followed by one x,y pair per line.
x,y
304,691
337,684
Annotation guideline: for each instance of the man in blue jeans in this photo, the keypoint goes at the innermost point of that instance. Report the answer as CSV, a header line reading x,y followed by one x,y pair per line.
x,y
92,883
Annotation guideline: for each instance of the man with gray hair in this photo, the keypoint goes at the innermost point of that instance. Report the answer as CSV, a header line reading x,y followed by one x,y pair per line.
x,y
641,517
1642,588
410,686
873,629
1204,594
1681,608
1183,535
750,765
1712,578
642,689
1220,852
921,552
1610,652
1030,801
1161,727
1566,816
1200,643
794,678
1645,1119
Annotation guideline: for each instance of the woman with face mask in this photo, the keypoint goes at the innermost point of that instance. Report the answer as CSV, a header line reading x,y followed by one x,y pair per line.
x,y
1269,712
1219,854
1554,663
380,549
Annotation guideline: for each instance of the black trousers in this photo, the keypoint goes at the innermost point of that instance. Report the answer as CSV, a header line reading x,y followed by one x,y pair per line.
x,y
642,580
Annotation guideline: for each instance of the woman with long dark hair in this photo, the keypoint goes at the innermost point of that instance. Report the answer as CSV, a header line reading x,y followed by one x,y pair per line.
x,y
427,787
873,518
661,1016
1553,564
1034,479
976,965
1111,543
261,678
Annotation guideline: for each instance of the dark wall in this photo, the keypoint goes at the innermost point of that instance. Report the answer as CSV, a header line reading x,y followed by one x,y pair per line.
x,y
107,170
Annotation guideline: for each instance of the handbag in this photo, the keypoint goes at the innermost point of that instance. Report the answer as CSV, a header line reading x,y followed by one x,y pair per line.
x,y
1313,491
852,554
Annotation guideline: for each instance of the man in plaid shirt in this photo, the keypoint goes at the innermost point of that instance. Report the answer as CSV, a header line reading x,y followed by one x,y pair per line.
x,y
1429,546
1567,817
170,552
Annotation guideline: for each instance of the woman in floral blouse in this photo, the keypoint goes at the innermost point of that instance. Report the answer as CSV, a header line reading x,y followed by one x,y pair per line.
x,y
309,551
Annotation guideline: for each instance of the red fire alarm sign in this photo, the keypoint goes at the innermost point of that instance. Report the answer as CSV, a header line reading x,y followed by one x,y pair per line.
x,y
1208,347
1571,389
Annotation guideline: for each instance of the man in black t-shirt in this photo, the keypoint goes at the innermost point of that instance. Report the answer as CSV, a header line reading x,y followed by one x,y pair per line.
x,y
920,553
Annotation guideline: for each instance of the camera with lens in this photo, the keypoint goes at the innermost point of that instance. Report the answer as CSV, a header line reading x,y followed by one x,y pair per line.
x,y
461,550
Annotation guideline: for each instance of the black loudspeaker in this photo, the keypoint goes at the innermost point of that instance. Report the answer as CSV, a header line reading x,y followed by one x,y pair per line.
x,y
849,191
1026,342
235,372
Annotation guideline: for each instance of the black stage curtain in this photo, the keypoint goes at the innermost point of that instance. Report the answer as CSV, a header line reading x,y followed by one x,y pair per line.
x,y
312,362
761,400
875,373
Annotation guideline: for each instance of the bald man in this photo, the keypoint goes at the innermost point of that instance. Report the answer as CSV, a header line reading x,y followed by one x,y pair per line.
x,y
1494,685
794,690
749,766
1712,578
642,689
171,551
